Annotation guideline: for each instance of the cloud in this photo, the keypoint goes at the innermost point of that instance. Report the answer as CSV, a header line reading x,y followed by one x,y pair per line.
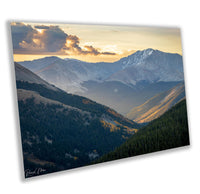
x,y
41,27
42,39
54,39
20,33
108,53
92,50
38,40
73,46
72,43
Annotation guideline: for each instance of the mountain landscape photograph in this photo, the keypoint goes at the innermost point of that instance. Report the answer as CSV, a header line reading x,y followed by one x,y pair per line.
x,y
95,93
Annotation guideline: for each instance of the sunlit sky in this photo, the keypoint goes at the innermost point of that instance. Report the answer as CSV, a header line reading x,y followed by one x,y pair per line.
x,y
89,42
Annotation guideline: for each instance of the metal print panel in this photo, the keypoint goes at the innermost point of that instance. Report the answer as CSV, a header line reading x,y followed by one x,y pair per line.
x,y
93,93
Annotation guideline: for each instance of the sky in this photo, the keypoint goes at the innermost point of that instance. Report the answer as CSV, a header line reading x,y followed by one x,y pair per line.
x,y
92,43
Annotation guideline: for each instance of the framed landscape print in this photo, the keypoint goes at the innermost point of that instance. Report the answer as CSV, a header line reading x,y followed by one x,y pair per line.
x,y
95,93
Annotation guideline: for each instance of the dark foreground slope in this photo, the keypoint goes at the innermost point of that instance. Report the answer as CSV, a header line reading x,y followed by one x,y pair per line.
x,y
168,131
61,131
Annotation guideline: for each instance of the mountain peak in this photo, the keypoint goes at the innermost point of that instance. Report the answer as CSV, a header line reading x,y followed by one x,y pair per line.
x,y
147,52
136,57
72,59
150,65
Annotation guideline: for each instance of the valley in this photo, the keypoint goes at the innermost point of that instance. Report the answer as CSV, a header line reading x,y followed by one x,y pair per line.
x,y
130,81
156,106
167,132
75,113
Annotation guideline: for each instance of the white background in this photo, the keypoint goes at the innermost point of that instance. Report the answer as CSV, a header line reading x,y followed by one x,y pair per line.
x,y
176,171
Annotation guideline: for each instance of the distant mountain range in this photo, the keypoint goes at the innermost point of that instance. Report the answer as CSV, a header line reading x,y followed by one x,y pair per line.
x,y
156,106
69,74
148,65
130,81
63,131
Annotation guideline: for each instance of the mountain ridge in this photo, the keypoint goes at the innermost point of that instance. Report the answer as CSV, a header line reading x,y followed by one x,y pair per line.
x,y
24,74
132,79
157,105
151,65
56,57
79,71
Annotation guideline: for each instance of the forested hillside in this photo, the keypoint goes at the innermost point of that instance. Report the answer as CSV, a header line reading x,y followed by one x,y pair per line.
x,y
168,131
61,131
75,101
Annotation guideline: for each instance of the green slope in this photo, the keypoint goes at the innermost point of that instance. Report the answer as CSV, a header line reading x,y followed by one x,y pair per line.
x,y
168,131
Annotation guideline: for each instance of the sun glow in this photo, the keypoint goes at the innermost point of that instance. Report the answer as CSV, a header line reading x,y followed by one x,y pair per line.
x,y
40,30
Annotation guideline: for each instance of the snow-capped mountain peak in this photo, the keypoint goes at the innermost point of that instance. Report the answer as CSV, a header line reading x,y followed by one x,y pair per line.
x,y
136,58
147,65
